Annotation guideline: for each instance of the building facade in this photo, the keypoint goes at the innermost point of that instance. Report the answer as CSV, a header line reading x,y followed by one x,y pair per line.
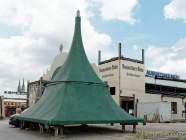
x,y
126,79
58,61
11,100
157,97
35,91
171,91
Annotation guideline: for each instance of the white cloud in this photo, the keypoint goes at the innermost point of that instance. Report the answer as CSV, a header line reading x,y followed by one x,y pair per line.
x,y
44,25
122,10
171,60
176,9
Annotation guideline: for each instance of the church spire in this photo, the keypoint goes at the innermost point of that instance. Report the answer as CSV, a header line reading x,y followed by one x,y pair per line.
x,y
23,86
19,87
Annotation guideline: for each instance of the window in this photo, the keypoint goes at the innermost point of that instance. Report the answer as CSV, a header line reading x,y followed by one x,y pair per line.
x,y
112,90
174,107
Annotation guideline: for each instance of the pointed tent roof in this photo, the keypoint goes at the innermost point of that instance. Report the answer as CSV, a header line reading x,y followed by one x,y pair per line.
x,y
76,95
77,66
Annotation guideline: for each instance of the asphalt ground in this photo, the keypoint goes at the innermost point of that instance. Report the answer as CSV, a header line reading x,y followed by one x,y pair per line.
x,y
158,131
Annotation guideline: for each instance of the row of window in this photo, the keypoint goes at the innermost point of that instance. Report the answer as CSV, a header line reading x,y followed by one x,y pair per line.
x,y
149,87
13,104
163,88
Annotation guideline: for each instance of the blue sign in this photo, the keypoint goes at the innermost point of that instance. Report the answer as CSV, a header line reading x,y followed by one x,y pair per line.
x,y
155,74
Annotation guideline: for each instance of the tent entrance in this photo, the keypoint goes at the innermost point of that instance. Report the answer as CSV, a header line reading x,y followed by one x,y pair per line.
x,y
127,103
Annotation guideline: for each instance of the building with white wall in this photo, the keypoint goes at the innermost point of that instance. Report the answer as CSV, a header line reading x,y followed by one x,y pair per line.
x,y
168,90
155,96
58,61
126,79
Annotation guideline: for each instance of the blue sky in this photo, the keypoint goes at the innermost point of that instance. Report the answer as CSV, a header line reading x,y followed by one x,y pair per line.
x,y
151,28
32,31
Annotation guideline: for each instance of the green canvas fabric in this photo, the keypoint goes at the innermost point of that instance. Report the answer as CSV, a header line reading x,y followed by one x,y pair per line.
x,y
77,66
76,95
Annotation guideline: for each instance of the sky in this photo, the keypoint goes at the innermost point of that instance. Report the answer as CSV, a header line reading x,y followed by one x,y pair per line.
x,y
32,31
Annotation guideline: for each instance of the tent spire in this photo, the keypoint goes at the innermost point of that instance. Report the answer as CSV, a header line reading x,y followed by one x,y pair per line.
x,y
77,39
77,60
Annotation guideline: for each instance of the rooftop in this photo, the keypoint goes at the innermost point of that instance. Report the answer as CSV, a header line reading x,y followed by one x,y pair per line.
x,y
122,58
14,96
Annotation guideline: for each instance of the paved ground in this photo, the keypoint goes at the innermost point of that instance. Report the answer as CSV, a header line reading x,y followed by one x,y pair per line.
x,y
104,132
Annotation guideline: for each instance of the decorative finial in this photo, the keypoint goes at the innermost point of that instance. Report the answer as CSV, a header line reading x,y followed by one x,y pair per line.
x,y
78,13
61,48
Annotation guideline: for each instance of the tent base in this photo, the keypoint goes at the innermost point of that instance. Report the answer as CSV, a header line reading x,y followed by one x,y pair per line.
x,y
59,129
123,128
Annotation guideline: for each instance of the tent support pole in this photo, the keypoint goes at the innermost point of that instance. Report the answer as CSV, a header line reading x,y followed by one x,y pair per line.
x,y
22,126
40,129
56,131
134,128
62,130
123,128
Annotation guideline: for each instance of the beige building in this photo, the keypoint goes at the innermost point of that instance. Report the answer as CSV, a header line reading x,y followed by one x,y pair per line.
x,y
126,78
58,61
134,91
35,90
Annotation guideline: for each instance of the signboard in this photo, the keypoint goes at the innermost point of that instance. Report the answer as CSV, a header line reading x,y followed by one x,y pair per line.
x,y
133,68
155,74
129,68
108,68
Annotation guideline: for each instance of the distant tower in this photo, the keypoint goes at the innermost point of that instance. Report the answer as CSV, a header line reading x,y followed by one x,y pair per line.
x,y
19,87
61,48
23,86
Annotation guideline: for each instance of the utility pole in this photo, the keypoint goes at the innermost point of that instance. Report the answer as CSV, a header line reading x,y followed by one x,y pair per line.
x,y
99,57
27,101
143,56
119,74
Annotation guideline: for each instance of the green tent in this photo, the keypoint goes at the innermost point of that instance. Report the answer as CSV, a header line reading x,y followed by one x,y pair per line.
x,y
76,95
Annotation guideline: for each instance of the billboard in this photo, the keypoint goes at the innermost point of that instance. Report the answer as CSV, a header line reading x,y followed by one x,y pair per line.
x,y
155,74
